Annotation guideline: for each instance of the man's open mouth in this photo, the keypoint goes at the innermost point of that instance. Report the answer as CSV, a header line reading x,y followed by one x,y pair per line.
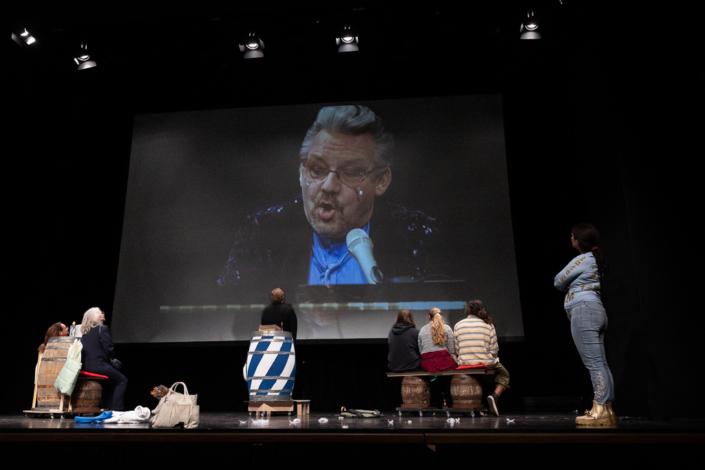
x,y
325,211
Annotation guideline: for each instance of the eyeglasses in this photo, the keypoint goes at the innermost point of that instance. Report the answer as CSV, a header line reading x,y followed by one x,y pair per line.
x,y
349,176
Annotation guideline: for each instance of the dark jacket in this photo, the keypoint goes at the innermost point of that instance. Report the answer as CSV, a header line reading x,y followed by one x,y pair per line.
x,y
273,247
282,315
97,349
403,348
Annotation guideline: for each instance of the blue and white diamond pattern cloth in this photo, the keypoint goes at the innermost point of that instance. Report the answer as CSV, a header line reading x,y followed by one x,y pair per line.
x,y
271,367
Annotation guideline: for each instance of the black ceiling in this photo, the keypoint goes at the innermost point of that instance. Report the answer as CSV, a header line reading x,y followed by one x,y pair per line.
x,y
156,57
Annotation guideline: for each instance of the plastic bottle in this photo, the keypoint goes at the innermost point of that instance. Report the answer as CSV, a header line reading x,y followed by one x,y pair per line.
x,y
72,330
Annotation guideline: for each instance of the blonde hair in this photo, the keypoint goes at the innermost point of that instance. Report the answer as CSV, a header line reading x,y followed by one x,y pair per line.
x,y
438,331
91,319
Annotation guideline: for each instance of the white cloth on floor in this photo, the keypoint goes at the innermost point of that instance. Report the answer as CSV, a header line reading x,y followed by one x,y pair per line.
x,y
140,414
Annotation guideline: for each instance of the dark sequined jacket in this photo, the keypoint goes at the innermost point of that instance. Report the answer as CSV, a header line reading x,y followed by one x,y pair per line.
x,y
273,246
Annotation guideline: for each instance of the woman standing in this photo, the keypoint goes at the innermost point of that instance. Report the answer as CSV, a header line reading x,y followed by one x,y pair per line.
x,y
580,279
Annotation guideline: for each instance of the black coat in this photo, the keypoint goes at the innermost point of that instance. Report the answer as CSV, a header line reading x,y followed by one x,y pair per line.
x,y
282,315
97,349
273,248
403,348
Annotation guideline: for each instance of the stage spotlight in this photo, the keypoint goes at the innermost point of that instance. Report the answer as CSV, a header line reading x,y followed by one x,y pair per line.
x,y
83,58
348,41
252,47
23,38
529,29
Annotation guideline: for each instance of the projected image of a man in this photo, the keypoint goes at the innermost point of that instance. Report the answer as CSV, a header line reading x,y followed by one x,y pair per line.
x,y
339,230
343,169
357,210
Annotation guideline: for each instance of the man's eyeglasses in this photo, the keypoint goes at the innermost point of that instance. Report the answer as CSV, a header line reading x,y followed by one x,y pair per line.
x,y
349,176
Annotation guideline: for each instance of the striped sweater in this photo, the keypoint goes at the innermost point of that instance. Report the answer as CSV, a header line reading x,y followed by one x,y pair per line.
x,y
475,342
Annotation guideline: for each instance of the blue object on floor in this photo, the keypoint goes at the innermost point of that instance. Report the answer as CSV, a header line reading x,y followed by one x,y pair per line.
x,y
94,419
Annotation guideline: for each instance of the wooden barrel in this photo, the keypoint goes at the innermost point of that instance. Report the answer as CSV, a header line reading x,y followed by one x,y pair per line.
x,y
52,362
86,396
415,393
270,370
465,392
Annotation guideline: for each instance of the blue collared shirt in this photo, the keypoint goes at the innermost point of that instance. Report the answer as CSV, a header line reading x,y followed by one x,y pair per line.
x,y
334,264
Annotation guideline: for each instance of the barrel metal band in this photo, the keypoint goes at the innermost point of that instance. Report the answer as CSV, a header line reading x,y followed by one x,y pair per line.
x,y
283,353
270,377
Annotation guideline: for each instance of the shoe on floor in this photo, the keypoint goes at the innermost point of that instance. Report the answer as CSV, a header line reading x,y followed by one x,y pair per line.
x,y
492,405
597,416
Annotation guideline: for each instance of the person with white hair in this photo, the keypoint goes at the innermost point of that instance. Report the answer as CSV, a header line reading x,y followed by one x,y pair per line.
x,y
98,356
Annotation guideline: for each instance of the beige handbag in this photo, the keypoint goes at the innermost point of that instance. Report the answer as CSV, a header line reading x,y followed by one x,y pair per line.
x,y
176,408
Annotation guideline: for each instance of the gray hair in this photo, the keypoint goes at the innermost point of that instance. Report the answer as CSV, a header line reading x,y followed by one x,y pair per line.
x,y
351,120
90,320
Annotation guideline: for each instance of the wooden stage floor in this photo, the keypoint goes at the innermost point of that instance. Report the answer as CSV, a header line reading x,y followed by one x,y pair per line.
x,y
409,438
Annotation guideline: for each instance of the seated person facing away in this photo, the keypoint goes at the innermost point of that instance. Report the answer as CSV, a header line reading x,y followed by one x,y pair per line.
x,y
280,313
97,356
476,343
56,329
403,341
436,344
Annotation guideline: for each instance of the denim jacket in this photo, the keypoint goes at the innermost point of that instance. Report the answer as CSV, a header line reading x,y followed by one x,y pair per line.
x,y
580,280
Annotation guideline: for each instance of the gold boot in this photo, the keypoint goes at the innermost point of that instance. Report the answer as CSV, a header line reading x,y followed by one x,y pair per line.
x,y
599,415
587,413
613,416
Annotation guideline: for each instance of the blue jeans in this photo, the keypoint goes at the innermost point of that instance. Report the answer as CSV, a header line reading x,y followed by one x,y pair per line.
x,y
588,322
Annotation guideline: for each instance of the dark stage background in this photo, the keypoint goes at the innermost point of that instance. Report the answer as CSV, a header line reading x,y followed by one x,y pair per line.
x,y
600,121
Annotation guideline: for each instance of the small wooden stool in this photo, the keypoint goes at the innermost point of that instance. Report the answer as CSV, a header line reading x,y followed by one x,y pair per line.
x,y
264,409
303,407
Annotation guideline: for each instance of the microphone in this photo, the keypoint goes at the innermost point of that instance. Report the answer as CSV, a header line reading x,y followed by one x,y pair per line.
x,y
360,245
